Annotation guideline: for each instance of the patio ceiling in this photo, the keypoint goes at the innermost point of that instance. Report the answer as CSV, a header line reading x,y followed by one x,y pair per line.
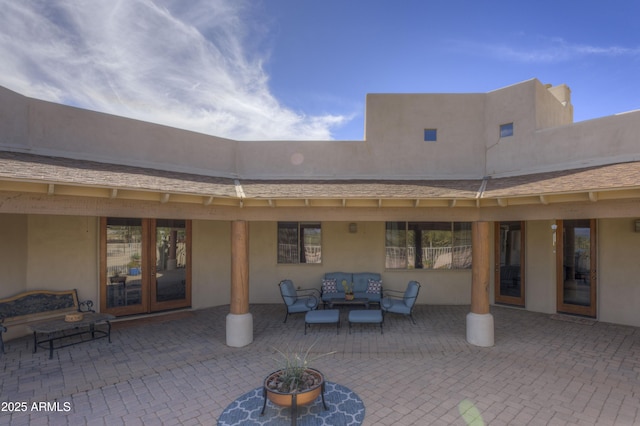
x,y
22,172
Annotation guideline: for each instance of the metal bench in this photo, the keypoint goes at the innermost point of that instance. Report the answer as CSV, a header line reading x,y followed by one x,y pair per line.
x,y
44,312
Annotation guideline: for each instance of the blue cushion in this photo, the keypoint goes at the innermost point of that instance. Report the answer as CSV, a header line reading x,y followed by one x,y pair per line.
x,y
395,305
366,316
302,305
361,280
339,277
325,316
410,295
288,292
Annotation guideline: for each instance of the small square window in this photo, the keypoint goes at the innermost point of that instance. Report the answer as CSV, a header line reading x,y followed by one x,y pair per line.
x,y
430,135
506,130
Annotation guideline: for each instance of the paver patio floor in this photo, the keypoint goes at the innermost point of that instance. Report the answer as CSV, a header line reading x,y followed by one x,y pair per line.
x,y
177,370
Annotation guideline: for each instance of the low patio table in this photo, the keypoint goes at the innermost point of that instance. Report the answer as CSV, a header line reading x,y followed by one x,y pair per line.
x,y
54,329
341,301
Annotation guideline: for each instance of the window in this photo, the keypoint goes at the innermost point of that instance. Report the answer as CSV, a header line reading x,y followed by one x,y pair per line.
x,y
430,135
428,245
299,242
506,130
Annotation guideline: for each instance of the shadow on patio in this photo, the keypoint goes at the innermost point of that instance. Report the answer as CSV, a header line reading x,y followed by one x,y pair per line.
x,y
176,369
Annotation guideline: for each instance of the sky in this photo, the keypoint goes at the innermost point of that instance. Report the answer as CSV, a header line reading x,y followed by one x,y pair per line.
x,y
301,69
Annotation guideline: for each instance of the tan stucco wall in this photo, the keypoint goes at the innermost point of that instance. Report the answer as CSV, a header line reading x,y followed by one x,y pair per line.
x,y
63,254
51,253
468,143
13,254
211,269
540,293
342,251
618,272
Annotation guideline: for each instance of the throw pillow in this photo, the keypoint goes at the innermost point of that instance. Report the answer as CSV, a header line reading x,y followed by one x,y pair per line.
x,y
329,286
374,286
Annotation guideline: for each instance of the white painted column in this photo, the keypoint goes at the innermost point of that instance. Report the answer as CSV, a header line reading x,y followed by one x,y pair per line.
x,y
239,320
480,328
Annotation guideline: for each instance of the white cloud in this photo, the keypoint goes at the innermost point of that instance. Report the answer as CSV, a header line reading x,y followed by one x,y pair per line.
x,y
544,50
183,64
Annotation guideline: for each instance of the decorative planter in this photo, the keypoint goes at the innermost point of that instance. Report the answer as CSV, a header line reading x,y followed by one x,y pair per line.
x,y
302,398
296,399
348,296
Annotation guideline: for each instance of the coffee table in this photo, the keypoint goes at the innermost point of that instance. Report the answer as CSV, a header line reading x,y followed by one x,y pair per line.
x,y
341,301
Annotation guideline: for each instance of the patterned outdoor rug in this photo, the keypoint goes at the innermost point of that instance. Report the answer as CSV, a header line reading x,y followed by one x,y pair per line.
x,y
345,408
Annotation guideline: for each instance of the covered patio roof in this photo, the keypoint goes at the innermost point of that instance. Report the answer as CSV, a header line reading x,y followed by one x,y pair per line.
x,y
24,172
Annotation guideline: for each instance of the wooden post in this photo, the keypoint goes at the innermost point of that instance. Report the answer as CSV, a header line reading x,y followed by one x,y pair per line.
x,y
239,267
239,319
480,321
481,268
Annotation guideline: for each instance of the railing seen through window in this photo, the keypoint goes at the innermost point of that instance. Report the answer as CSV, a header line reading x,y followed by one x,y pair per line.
x,y
299,242
428,245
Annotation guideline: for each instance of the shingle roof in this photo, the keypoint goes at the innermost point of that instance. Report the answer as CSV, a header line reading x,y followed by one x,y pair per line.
x,y
15,166
360,188
38,168
608,177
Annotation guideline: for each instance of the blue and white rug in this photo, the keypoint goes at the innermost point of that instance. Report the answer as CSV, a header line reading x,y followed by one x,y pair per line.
x,y
345,408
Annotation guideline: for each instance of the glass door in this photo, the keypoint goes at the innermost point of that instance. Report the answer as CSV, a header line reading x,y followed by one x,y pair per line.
x,y
123,273
576,267
145,265
509,263
171,285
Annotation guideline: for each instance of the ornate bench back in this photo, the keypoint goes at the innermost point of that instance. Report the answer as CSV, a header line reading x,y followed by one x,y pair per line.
x,y
36,305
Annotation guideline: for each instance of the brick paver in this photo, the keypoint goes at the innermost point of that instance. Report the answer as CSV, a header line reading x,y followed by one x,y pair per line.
x,y
180,372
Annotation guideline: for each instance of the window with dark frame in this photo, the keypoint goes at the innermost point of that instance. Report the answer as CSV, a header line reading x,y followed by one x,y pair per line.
x,y
299,242
430,135
506,130
428,245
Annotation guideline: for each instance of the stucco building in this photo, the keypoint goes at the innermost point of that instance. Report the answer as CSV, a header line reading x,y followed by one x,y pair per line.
x,y
142,218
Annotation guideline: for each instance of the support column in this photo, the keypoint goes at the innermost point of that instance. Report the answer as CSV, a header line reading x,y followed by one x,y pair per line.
x,y
480,330
239,320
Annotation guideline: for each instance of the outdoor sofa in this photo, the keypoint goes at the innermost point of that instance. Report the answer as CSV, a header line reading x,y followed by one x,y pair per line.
x,y
365,285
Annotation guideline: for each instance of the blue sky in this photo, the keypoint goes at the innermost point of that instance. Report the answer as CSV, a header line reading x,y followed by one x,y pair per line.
x,y
301,69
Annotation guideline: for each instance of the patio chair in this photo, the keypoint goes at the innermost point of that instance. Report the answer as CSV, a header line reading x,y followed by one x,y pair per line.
x,y
298,301
398,302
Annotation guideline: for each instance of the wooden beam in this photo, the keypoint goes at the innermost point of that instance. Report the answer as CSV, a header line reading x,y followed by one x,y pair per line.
x,y
481,267
239,267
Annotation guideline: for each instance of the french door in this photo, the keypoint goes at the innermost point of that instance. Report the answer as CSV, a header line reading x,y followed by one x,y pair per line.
x,y
576,261
145,265
509,263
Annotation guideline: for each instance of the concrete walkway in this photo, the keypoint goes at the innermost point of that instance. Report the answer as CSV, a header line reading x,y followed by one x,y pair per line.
x,y
177,370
